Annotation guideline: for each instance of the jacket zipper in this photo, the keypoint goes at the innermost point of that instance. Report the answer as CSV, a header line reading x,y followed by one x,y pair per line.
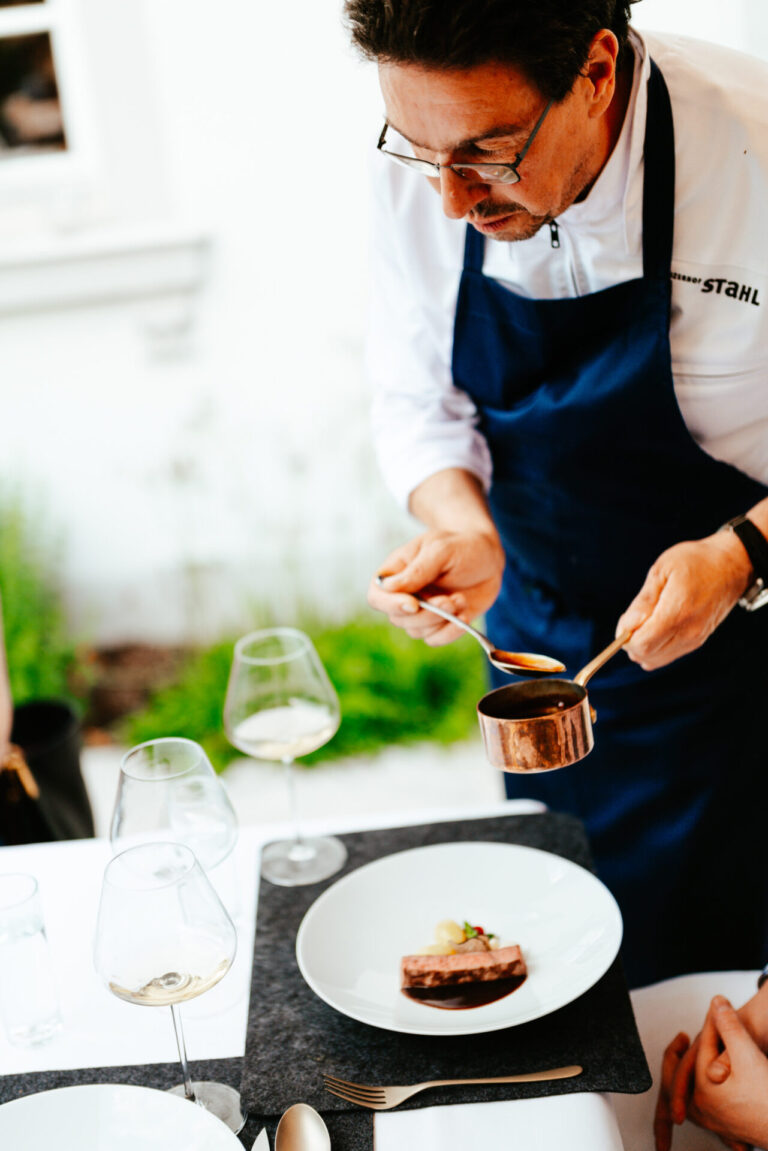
x,y
554,233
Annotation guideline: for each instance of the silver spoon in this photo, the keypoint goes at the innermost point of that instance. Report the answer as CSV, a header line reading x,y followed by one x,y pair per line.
x,y
512,662
302,1129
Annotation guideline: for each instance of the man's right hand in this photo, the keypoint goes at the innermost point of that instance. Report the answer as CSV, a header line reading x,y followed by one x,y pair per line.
x,y
460,570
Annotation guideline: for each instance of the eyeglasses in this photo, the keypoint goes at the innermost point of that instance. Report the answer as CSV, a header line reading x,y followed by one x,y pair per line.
x,y
486,173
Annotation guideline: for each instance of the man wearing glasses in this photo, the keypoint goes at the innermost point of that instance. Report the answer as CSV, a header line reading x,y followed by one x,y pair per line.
x,y
578,414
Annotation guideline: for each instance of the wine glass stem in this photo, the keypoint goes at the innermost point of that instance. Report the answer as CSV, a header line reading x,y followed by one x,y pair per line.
x,y
176,1016
290,774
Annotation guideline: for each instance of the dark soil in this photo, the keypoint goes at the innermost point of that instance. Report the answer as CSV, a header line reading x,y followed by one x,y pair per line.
x,y
123,678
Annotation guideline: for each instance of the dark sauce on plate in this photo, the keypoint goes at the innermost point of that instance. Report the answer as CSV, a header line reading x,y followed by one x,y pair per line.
x,y
460,996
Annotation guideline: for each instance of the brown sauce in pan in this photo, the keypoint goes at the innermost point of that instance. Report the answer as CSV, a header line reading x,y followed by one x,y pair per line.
x,y
460,996
532,708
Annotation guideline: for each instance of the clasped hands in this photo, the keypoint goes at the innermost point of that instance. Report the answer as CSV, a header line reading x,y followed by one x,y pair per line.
x,y
688,592
720,1081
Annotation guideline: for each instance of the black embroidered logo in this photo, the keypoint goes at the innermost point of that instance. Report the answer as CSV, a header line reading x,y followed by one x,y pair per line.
x,y
744,293
686,279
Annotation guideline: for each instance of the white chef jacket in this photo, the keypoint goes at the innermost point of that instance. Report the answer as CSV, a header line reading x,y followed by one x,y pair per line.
x,y
719,322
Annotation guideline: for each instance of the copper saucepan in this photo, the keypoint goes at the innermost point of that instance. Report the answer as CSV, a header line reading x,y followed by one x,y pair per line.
x,y
542,724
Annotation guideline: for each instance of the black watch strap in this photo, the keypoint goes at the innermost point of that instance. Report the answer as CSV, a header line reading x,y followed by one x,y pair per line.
x,y
756,546
755,543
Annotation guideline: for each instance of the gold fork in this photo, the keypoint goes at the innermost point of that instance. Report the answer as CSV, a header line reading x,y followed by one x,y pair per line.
x,y
383,1098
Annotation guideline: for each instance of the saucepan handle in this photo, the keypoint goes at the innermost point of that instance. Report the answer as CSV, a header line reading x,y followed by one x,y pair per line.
x,y
602,657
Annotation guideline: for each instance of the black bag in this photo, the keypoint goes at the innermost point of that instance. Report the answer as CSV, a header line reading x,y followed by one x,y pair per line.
x,y
42,793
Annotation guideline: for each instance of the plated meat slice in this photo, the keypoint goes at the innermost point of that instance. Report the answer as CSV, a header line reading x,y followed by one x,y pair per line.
x,y
471,967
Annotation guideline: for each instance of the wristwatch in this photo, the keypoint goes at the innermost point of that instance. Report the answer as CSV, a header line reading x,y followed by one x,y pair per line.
x,y
756,547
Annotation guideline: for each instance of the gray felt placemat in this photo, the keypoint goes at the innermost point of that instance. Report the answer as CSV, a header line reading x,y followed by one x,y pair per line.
x,y
294,1038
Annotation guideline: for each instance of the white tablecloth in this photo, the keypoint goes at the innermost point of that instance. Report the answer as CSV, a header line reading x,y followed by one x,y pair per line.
x,y
100,1030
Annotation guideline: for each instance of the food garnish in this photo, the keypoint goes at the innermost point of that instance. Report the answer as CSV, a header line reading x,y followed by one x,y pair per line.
x,y
451,939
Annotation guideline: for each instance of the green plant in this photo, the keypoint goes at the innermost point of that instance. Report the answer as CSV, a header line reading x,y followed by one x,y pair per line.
x,y
392,690
41,655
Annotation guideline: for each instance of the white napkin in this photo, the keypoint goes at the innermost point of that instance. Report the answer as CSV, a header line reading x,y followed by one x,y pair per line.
x,y
580,1122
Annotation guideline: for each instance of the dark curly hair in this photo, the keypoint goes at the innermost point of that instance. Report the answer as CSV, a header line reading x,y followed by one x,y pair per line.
x,y
548,40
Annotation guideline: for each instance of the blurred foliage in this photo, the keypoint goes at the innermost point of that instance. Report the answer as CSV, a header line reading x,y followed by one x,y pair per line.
x,y
392,689
42,659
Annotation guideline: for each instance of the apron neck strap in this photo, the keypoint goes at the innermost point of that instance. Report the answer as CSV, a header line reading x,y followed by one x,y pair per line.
x,y
658,180
474,249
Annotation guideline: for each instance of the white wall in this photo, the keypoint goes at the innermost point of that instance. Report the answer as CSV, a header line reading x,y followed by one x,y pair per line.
x,y
716,20
740,24
232,461
200,458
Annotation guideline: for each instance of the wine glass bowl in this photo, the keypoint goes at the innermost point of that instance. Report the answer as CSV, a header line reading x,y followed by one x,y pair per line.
x,y
168,790
146,889
163,937
280,704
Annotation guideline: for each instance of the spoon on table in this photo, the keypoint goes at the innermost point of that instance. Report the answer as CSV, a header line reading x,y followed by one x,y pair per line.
x,y
513,662
302,1129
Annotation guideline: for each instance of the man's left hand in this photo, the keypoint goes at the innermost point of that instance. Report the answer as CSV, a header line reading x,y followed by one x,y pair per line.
x,y
687,593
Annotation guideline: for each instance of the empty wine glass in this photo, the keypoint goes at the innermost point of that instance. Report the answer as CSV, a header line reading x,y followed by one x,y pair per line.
x,y
281,704
168,790
163,937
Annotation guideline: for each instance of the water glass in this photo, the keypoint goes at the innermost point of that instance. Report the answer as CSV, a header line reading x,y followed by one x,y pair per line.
x,y
29,1006
168,791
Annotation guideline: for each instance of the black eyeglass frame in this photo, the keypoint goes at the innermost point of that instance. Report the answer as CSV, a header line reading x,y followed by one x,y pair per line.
x,y
467,171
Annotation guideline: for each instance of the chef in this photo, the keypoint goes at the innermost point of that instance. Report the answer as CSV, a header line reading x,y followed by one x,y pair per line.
x,y
569,351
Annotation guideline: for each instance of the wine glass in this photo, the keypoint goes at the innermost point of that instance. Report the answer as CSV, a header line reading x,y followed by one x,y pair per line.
x,y
168,790
163,937
281,704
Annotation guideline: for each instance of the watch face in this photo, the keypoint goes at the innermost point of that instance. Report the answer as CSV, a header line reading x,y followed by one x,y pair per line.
x,y
755,597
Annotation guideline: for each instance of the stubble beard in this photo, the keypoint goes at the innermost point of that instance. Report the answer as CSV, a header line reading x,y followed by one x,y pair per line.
x,y
524,224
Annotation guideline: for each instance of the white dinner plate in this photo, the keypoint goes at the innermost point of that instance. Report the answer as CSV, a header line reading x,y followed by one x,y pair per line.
x,y
111,1117
352,938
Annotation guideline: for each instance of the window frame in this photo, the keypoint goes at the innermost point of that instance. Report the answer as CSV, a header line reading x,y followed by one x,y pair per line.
x,y
61,172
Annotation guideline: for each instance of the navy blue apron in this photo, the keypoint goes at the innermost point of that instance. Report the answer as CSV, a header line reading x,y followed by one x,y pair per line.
x,y
594,474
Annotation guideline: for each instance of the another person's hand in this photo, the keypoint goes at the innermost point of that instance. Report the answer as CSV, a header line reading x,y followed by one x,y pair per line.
x,y
737,1107
679,1065
663,1119
679,1068
460,571
688,592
